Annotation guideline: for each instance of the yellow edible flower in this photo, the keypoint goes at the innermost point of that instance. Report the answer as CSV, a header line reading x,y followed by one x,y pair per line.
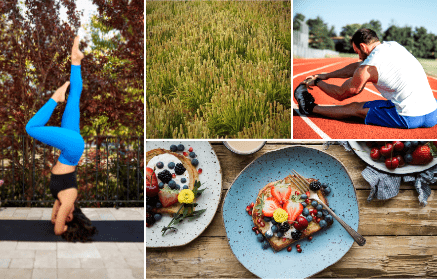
x,y
186,196
280,215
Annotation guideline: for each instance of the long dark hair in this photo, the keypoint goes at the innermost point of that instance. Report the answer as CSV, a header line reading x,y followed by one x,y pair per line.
x,y
80,228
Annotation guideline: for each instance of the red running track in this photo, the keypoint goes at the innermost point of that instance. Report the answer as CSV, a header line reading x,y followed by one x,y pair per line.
x,y
316,127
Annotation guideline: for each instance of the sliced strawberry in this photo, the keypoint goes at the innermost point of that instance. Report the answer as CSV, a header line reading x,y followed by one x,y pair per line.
x,y
281,192
168,197
270,205
293,209
152,188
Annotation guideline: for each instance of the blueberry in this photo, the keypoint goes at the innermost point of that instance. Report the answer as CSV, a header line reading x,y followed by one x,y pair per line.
x,y
304,196
274,228
267,219
178,187
422,142
309,218
160,165
172,184
323,223
328,218
161,185
192,154
269,234
324,185
325,212
181,147
260,237
305,212
185,187
194,162
314,203
407,145
183,180
157,216
319,214
304,204
414,144
173,148
265,245
327,190
149,207
274,222
158,205
408,158
171,165
279,234
319,207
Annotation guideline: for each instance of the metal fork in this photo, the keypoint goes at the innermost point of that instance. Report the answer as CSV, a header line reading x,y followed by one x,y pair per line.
x,y
302,184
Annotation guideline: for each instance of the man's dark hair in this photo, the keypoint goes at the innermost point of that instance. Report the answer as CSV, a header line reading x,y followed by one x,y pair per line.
x,y
364,35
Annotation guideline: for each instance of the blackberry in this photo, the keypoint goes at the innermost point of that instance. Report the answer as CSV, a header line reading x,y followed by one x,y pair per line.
x,y
284,227
315,186
165,176
152,201
150,220
179,169
296,235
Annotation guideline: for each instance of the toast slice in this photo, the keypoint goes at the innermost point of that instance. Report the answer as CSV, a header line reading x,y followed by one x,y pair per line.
x,y
278,243
192,173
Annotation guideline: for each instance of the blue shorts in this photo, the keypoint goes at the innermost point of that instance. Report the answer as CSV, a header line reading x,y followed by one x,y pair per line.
x,y
383,113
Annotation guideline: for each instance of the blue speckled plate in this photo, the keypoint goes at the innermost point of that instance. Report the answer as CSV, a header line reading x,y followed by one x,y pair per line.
x,y
327,247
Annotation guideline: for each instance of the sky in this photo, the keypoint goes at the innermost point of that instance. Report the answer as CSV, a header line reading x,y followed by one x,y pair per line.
x,y
88,9
338,13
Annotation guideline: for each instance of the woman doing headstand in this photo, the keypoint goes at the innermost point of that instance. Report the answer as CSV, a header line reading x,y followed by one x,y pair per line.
x,y
67,138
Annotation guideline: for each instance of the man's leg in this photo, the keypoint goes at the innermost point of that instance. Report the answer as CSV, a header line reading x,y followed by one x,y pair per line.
x,y
341,112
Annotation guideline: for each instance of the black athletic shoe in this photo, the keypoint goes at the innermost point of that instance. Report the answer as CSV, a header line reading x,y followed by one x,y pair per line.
x,y
304,99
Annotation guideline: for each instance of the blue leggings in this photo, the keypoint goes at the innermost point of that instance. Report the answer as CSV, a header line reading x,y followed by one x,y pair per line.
x,y
67,138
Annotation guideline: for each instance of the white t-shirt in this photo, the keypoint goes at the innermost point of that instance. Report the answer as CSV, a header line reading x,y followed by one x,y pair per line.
x,y
402,79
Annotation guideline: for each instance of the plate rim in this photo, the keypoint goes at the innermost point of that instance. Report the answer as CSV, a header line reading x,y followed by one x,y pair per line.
x,y
387,171
217,206
280,149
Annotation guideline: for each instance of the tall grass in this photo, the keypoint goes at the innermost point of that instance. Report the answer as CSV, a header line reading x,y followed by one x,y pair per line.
x,y
218,69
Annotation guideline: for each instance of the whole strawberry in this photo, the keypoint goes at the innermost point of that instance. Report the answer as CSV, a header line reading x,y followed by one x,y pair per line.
x,y
422,155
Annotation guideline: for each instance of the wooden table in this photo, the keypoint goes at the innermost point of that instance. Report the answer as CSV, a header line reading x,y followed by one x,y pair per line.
x,y
401,235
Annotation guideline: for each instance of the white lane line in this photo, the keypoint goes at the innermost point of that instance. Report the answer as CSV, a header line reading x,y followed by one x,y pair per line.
x,y
374,92
304,73
311,124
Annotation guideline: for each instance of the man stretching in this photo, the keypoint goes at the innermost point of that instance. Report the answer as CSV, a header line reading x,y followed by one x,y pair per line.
x,y
393,70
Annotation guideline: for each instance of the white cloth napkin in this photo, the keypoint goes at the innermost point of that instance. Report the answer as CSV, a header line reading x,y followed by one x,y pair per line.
x,y
384,186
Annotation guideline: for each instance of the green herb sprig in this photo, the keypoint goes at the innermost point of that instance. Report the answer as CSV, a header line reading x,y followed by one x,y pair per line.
x,y
186,210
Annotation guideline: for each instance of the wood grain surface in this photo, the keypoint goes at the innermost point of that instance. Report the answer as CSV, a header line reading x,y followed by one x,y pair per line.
x,y
401,235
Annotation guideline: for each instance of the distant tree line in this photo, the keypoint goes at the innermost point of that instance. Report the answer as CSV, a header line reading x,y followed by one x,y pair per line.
x,y
418,41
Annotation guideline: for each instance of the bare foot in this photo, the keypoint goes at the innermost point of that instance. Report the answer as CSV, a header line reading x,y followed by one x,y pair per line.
x,y
76,54
59,95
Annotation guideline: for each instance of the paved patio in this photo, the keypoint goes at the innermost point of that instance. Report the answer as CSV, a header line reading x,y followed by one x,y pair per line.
x,y
63,260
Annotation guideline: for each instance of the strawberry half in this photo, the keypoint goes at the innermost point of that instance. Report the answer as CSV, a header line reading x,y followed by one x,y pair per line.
x,y
422,155
293,209
152,188
270,205
281,192
168,197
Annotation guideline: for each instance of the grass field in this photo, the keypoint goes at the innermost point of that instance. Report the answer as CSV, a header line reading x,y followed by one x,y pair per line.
x,y
218,69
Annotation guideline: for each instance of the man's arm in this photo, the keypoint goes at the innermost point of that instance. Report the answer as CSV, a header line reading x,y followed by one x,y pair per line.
x,y
345,72
351,87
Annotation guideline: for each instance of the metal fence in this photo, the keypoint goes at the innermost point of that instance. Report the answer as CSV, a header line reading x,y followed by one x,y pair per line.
x,y
110,172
